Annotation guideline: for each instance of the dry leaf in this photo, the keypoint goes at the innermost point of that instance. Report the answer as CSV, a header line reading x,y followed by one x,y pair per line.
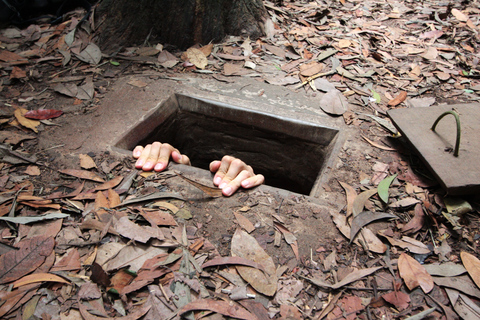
x,y
366,217
418,248
218,306
472,264
110,184
399,299
86,162
344,43
212,192
334,102
416,223
39,277
196,57
414,274
43,114
233,260
133,231
244,222
33,171
27,123
245,246
137,83
351,277
82,174
459,15
361,199
31,254
351,195
206,50
398,99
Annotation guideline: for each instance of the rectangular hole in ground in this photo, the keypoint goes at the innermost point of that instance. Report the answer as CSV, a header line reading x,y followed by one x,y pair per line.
x,y
287,161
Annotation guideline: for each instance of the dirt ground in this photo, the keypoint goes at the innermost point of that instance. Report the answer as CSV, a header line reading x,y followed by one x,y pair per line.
x,y
381,50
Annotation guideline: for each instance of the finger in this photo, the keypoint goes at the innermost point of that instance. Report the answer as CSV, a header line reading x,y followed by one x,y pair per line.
x,y
143,156
254,181
233,185
222,170
164,156
137,152
152,155
180,158
236,166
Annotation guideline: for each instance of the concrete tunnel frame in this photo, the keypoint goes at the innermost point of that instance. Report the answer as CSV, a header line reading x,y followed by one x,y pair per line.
x,y
321,137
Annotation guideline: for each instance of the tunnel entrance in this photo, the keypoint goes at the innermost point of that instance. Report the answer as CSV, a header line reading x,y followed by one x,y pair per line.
x,y
289,153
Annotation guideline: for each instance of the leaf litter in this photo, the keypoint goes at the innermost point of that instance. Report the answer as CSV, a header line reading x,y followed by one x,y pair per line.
x,y
405,57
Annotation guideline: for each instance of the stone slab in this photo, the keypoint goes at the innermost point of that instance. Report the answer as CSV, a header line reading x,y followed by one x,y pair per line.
x,y
458,175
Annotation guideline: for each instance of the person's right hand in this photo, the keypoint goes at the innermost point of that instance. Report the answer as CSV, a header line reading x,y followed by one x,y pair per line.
x,y
156,156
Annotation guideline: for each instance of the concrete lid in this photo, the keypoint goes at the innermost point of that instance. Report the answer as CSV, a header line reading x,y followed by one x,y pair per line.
x,y
458,175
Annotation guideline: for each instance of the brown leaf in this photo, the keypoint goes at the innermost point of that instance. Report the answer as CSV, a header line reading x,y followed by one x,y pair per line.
x,y
419,247
360,200
398,99
27,123
39,277
18,73
31,254
121,279
82,174
233,260
414,274
417,222
99,276
351,277
334,102
159,218
133,231
110,184
351,195
311,69
86,162
289,238
33,171
222,307
196,57
136,314
245,246
275,50
206,50
69,89
244,222
71,261
472,264
366,217
12,58
212,192
43,114
399,299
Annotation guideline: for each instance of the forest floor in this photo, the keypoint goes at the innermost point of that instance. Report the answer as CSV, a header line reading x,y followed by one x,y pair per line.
x,y
83,235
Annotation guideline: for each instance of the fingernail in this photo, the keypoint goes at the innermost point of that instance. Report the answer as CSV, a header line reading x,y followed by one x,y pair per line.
x,y
159,166
139,163
245,183
217,181
137,153
148,165
222,185
227,191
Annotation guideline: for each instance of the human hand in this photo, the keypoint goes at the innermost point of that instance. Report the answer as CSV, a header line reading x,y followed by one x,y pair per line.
x,y
232,173
156,156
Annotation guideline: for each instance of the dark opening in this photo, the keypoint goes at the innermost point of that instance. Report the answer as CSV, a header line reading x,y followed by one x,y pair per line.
x,y
286,162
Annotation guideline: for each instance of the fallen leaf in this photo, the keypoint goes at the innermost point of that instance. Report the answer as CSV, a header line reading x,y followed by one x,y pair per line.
x,y
86,162
472,264
218,306
414,248
82,174
232,261
463,305
27,123
414,274
135,314
244,222
43,114
69,89
275,50
459,15
366,217
39,277
351,277
417,222
86,91
378,145
206,50
449,269
110,184
91,54
311,69
399,299
212,192
403,203
398,99
361,199
133,231
383,187
351,195
31,253
334,102
137,83
32,171
460,283
159,218
245,246
27,220
196,57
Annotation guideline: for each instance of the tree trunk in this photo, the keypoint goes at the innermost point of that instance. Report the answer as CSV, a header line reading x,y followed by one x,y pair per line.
x,y
177,22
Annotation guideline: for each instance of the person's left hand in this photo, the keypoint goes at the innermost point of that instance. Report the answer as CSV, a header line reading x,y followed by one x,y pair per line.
x,y
232,173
